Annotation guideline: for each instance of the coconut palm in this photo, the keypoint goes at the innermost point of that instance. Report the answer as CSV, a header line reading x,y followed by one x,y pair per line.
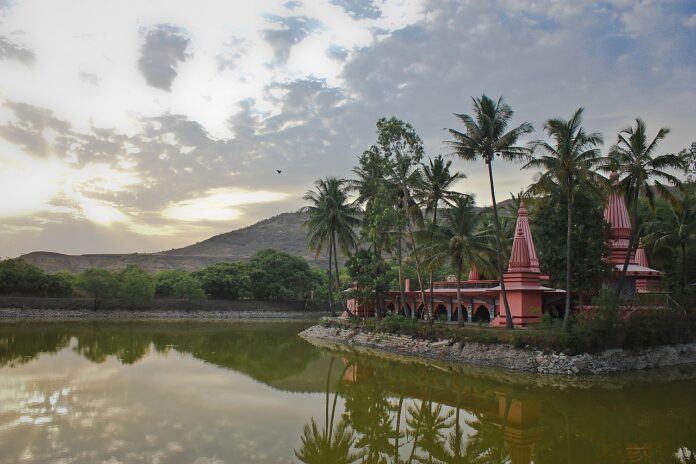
x,y
632,156
435,190
331,224
675,226
567,163
485,137
460,240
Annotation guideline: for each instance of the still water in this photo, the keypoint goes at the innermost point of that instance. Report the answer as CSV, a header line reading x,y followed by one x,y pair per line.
x,y
256,393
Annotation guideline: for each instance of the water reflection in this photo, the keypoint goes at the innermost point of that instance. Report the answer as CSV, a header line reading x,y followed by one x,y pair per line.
x,y
414,415
225,393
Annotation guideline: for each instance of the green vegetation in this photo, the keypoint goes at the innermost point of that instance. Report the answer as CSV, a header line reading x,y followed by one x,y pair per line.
x,y
269,274
412,219
600,329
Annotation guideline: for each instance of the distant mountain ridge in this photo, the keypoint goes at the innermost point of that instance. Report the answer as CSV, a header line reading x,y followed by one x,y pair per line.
x,y
283,232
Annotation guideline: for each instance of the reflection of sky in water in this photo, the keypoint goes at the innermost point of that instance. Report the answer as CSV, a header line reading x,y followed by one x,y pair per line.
x,y
160,409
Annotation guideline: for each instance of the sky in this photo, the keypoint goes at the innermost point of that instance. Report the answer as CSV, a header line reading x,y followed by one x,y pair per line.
x,y
141,126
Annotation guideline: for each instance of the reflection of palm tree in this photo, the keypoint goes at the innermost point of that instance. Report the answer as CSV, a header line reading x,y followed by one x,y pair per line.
x,y
320,447
488,443
328,445
428,424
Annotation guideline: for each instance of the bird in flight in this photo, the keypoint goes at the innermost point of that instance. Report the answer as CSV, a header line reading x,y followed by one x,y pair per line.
x,y
278,171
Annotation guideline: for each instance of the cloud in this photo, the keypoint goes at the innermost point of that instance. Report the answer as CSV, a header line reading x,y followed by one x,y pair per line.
x,y
292,30
11,51
88,78
219,204
164,48
359,9
234,49
691,22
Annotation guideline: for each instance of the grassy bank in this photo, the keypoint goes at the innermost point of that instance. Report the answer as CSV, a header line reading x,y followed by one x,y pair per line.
x,y
590,332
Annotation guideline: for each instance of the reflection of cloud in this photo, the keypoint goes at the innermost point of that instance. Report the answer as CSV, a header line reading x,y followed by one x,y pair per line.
x,y
218,204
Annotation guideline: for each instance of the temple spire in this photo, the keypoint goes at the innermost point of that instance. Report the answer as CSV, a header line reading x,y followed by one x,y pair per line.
x,y
523,223
641,256
474,273
616,215
519,256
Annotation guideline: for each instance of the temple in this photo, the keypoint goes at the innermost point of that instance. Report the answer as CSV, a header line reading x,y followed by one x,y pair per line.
x,y
640,278
480,300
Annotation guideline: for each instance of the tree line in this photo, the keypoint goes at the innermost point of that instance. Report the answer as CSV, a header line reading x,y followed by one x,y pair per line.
x,y
269,275
401,211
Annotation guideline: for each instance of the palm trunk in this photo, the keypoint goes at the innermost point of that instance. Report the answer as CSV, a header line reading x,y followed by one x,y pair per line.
x,y
402,294
460,321
508,316
338,278
569,255
331,308
415,250
682,283
631,244
432,242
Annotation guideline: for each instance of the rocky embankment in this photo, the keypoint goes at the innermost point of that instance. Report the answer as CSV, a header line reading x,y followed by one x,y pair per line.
x,y
12,315
505,356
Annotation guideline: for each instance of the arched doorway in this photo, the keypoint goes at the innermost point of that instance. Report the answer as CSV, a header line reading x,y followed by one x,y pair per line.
x,y
481,314
460,313
406,309
391,308
419,311
441,312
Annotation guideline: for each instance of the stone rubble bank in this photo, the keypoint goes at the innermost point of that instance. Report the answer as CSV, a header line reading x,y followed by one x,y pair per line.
x,y
507,356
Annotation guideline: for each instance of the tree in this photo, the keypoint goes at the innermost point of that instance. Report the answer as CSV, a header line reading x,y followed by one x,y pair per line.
x,y
485,137
566,165
186,287
675,226
18,276
279,275
135,285
632,156
460,240
99,284
401,146
331,224
165,281
225,280
589,242
370,275
435,189
382,223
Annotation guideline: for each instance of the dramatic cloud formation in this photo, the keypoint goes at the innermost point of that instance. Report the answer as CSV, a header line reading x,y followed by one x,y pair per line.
x,y
11,51
165,124
165,46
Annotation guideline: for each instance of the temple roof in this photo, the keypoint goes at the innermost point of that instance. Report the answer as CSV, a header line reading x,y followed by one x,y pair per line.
x,y
616,213
519,256
523,222
641,257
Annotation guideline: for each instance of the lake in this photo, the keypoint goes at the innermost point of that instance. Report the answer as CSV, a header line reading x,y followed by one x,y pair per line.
x,y
216,392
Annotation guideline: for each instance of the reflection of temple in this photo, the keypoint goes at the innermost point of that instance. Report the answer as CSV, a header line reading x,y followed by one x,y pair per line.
x,y
639,277
480,301
522,429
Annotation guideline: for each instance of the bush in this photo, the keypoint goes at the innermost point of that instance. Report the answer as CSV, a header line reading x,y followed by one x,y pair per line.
x,y
398,325
136,287
659,327
99,284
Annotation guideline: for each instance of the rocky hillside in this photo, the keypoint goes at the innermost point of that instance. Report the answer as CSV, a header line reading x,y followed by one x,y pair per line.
x,y
282,232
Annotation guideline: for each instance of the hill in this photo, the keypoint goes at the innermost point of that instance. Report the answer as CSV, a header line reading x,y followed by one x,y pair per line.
x,y
283,232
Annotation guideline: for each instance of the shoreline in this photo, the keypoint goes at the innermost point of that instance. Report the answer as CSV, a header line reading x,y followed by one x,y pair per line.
x,y
63,315
502,356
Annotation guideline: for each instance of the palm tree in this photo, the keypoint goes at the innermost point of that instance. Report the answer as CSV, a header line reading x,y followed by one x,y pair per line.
x,y
675,226
485,137
632,156
461,240
435,189
567,164
331,224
